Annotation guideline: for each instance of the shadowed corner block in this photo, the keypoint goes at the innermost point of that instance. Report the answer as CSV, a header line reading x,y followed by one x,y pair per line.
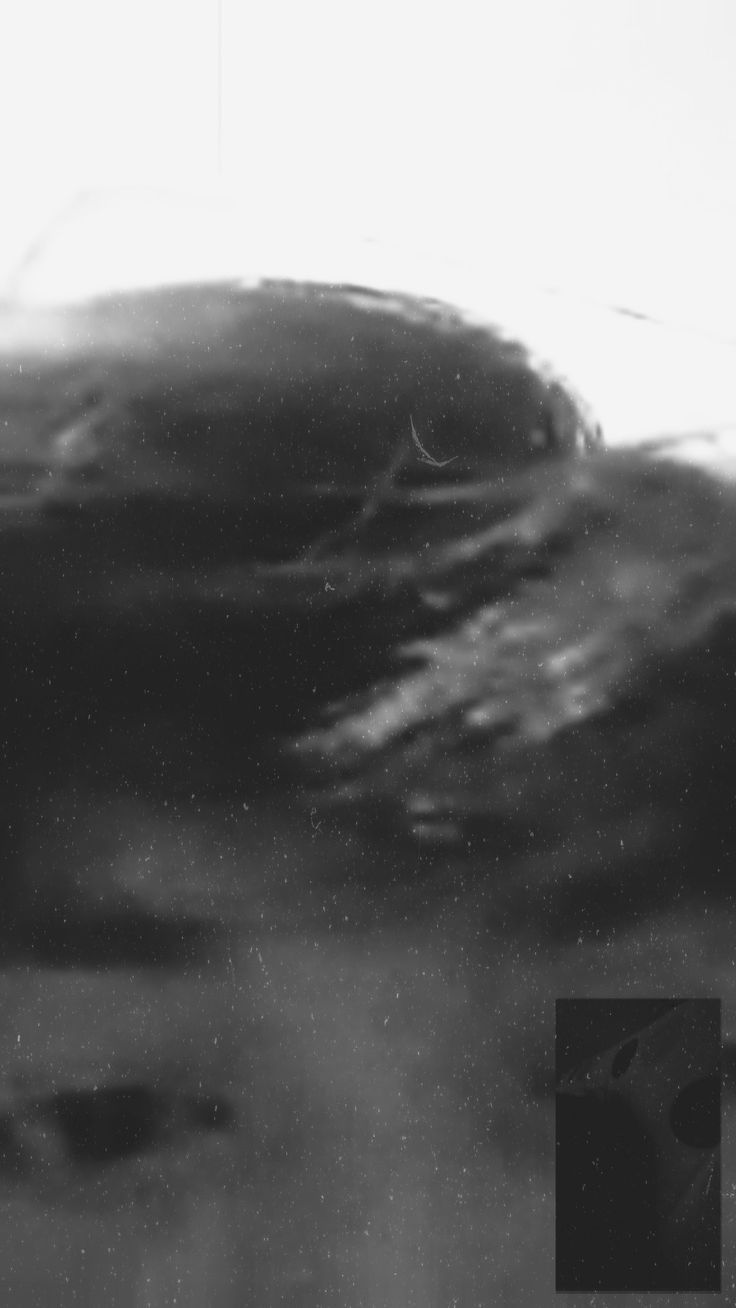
x,y
638,1203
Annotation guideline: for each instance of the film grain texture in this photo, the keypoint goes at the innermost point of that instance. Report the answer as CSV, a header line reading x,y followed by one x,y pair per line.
x,y
327,769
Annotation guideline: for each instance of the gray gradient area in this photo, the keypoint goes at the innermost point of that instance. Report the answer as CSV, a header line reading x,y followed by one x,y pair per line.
x,y
327,770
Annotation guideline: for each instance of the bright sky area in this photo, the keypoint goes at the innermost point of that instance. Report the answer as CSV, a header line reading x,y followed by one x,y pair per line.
x,y
582,144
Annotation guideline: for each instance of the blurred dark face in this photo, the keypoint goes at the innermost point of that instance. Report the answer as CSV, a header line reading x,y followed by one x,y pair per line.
x,y
328,771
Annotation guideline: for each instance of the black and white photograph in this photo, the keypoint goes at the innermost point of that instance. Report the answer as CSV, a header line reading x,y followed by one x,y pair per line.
x,y
368,649
638,1196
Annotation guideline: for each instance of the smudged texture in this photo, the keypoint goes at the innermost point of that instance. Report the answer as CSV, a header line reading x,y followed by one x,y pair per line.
x,y
320,786
570,629
638,1201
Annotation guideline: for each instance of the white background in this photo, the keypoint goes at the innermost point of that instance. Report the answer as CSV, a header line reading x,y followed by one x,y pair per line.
x,y
583,144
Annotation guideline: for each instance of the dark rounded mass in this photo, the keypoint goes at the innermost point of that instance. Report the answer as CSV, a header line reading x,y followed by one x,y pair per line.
x,y
355,706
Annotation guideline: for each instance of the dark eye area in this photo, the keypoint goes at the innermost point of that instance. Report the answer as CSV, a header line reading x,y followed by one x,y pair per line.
x,y
695,1116
623,1058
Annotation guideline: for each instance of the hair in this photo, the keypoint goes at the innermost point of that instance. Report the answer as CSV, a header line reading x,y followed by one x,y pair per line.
x,y
256,503
519,659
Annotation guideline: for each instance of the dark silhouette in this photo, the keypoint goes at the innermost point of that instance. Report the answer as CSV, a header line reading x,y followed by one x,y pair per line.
x,y
325,771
